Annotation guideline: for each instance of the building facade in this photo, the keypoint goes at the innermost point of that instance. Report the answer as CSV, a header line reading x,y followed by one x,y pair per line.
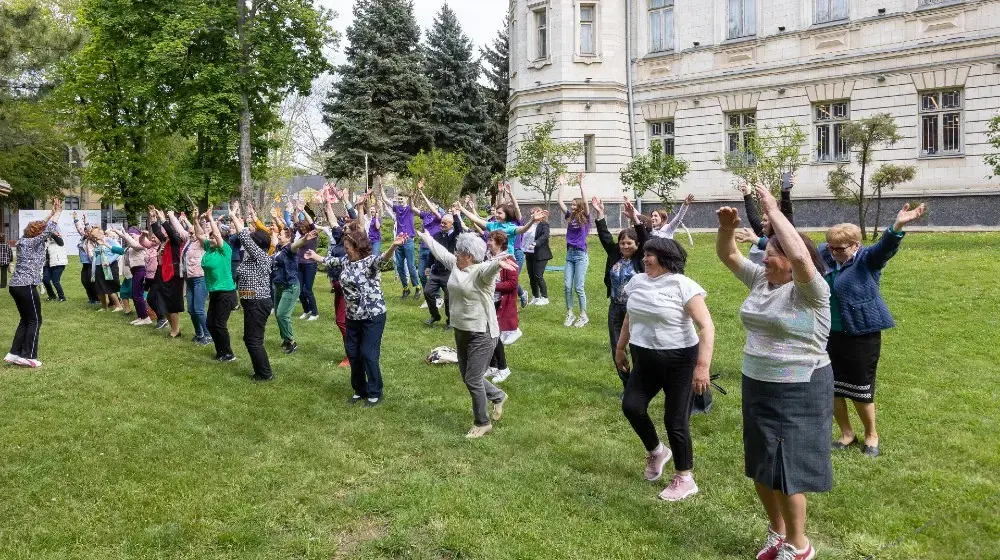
x,y
700,75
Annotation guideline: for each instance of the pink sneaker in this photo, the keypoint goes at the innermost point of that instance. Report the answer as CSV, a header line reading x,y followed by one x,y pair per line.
x,y
28,362
679,488
771,547
789,552
655,462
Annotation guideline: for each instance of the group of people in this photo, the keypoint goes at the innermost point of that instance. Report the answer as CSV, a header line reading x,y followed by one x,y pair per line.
x,y
813,315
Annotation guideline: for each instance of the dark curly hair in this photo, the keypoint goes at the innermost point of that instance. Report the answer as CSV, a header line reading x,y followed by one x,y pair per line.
x,y
668,253
359,240
261,238
628,233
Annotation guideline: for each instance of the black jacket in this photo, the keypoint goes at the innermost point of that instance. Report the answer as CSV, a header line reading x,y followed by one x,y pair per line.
x,y
614,255
542,250
448,241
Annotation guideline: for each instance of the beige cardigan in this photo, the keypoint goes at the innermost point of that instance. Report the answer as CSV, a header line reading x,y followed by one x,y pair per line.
x,y
470,292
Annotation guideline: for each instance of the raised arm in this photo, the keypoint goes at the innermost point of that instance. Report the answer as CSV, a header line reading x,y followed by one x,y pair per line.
x,y
129,240
430,205
579,179
603,233
753,215
803,269
888,244
215,236
674,223
559,198
725,240
441,254
473,217
298,243
174,229
513,201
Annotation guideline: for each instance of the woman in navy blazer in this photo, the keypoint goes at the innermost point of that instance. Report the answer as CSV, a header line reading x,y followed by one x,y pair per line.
x,y
858,316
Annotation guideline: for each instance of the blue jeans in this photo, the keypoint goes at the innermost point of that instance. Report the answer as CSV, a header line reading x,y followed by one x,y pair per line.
x,y
363,345
197,293
519,257
425,257
307,276
404,263
577,262
377,248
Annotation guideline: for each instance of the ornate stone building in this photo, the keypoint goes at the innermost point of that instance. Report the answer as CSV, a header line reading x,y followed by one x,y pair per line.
x,y
699,75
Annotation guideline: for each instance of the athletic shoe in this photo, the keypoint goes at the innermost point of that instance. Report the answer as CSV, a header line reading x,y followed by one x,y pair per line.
x,y
258,378
533,301
313,318
423,305
430,322
11,358
771,546
196,338
416,294
117,310
304,316
789,552
226,358
62,300
479,431
569,319
502,375
141,322
345,363
406,293
160,323
582,321
524,299
354,399
655,461
542,301
680,487
491,372
371,402
447,326
28,362
205,341
512,337
498,408
291,347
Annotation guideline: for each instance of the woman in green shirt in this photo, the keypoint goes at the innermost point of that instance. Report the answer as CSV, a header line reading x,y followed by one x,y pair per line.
x,y
222,299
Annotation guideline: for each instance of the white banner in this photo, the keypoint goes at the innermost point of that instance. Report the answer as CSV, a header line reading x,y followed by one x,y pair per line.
x,y
66,227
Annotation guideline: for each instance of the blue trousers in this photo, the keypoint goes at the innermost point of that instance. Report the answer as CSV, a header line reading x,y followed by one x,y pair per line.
x,y
577,262
519,257
364,345
307,277
405,264
425,257
197,294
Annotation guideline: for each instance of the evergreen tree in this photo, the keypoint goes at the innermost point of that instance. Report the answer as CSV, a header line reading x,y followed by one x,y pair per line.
x,y
458,113
497,71
380,104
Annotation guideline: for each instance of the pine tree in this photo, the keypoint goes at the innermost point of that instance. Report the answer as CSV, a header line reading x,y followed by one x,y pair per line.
x,y
380,104
458,113
497,71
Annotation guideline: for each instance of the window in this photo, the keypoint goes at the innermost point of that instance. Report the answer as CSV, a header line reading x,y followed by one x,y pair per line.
x,y
742,18
931,2
588,38
740,128
71,203
941,122
541,34
830,10
589,163
829,119
662,133
661,25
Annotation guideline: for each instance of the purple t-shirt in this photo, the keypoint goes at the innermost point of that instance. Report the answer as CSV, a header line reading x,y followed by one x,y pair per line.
x,y
520,237
375,230
310,245
576,233
432,225
404,220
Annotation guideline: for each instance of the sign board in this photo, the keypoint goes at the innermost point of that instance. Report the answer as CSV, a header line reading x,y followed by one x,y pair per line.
x,y
66,227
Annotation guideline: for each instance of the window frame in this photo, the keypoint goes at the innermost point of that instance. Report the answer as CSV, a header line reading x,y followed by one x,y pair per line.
x,y
938,116
741,131
589,153
658,133
668,40
832,14
540,32
71,203
592,24
748,20
830,124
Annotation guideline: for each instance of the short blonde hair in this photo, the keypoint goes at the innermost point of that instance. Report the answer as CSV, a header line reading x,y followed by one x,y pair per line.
x,y
844,233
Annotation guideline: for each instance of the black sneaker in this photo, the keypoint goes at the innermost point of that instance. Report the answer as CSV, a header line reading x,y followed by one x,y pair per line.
x,y
416,294
430,322
406,293
258,378
284,344
292,347
447,326
354,399
205,341
227,358
196,339
62,300
160,323
372,403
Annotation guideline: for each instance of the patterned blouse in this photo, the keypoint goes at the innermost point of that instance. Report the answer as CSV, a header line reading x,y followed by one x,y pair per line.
x,y
362,283
254,270
621,272
31,258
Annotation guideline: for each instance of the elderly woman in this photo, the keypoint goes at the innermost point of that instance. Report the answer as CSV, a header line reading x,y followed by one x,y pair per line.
x,y
361,280
858,316
55,264
474,318
104,269
254,287
169,283
663,308
136,256
787,379
24,289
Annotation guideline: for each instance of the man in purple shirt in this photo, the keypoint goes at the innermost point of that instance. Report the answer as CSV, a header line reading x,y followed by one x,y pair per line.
x,y
405,263
432,225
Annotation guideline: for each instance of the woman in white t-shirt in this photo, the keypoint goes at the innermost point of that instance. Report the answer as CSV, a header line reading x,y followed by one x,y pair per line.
x,y
663,308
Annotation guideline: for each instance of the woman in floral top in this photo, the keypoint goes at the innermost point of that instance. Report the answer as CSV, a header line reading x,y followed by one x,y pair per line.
x,y
362,283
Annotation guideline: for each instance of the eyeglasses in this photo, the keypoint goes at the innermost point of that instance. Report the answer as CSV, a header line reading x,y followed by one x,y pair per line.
x,y
838,249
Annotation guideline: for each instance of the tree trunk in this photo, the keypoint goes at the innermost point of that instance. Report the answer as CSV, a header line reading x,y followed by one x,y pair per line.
x,y
246,181
862,207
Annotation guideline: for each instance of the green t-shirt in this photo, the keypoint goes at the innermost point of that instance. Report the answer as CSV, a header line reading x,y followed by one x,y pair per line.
x,y
217,263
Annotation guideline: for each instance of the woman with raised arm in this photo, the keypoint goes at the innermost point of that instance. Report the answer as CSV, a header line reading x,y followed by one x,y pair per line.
x,y
431,219
505,301
361,280
170,284
664,228
136,256
84,248
216,262
24,289
504,219
194,276
538,254
55,264
787,379
287,283
474,319
254,288
577,257
104,270
302,225
663,307
625,260
858,317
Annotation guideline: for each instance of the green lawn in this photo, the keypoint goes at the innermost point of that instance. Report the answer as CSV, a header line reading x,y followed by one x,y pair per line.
x,y
129,445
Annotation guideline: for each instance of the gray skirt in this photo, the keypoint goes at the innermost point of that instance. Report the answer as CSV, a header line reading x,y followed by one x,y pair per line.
x,y
786,433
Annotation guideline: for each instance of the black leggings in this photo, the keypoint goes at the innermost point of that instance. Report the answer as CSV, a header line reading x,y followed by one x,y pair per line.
x,y
88,284
671,371
536,275
220,306
499,359
29,307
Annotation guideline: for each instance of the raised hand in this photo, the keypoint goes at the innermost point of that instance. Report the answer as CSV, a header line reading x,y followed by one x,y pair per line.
x,y
312,235
906,216
598,205
629,210
688,199
745,236
767,202
579,178
744,188
729,217
508,263
420,184
400,239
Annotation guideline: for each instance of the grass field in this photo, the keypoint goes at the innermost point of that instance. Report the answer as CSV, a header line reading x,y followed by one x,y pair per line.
x,y
129,445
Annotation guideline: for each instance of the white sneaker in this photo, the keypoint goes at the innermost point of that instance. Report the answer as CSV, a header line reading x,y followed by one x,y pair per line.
x,y
440,302
117,310
141,322
491,372
304,316
479,431
502,375
583,320
569,319
11,358
313,318
27,362
542,301
423,305
511,337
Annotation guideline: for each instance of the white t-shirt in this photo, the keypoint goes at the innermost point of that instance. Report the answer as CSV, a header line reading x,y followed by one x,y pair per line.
x,y
656,315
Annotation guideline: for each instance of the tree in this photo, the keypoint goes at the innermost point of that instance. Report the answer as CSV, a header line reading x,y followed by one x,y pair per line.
x,y
993,136
497,92
863,138
540,160
380,105
655,172
444,173
768,154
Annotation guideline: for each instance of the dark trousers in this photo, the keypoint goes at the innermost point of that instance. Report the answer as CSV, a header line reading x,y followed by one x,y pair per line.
x,y
536,276
220,306
340,308
255,315
4,269
51,277
671,371
88,284
138,294
474,351
29,307
616,318
434,285
364,345
157,298
307,277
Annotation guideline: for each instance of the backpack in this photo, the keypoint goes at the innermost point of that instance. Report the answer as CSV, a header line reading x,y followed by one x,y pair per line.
x,y
442,355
